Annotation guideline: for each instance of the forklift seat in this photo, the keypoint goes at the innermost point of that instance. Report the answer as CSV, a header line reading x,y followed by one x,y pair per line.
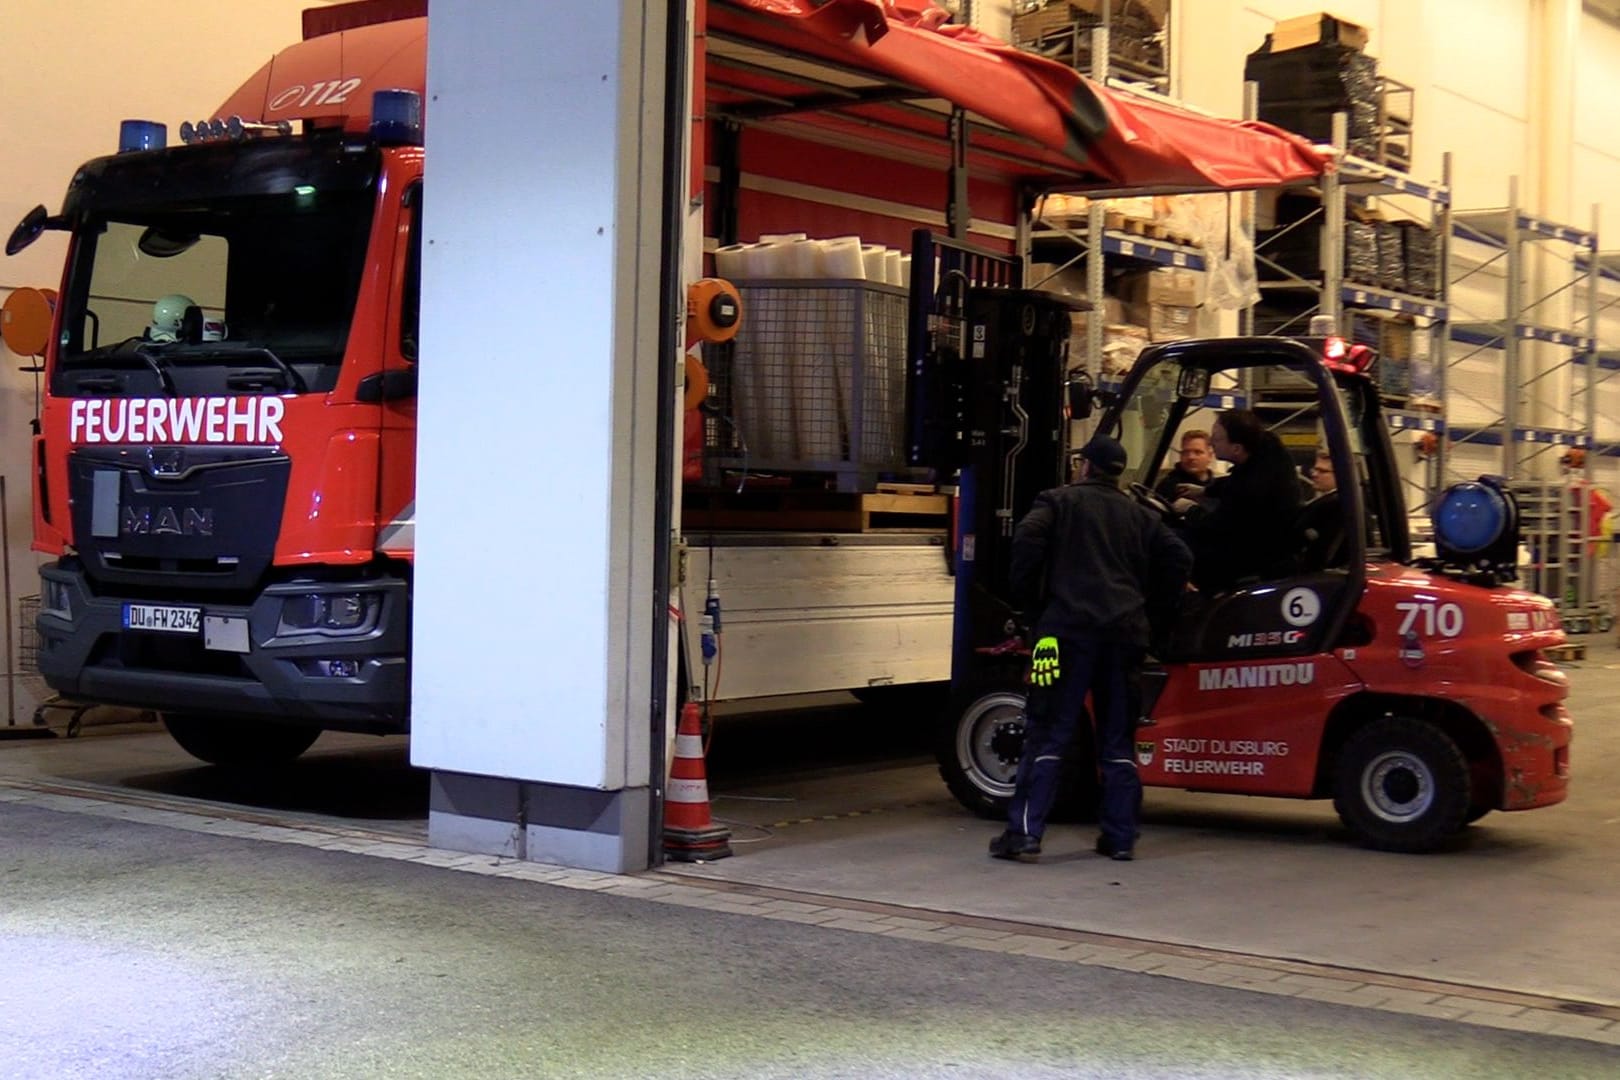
x,y
1319,534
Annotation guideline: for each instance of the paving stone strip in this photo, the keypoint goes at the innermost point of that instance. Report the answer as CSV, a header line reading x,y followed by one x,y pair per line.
x,y
1482,1005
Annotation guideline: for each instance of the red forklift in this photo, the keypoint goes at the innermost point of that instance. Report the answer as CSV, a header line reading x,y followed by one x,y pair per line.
x,y
1414,693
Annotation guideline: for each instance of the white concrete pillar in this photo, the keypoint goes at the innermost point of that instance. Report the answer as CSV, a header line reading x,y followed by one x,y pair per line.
x,y
1548,192
536,476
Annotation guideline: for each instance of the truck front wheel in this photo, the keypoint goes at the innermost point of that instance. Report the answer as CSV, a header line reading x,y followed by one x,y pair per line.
x,y
239,742
1402,785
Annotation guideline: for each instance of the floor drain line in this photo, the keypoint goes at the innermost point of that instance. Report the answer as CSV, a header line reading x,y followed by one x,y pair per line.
x,y
845,815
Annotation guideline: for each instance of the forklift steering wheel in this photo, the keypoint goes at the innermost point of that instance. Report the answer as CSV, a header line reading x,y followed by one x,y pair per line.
x,y
1151,499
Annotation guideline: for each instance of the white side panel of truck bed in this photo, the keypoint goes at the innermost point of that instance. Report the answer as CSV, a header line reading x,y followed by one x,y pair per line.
x,y
806,613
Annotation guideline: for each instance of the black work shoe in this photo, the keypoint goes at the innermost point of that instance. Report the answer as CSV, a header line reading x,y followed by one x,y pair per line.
x,y
1015,845
1109,850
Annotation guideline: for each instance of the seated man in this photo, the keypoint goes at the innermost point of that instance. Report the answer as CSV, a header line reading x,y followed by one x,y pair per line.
x,y
1244,525
1193,469
1321,522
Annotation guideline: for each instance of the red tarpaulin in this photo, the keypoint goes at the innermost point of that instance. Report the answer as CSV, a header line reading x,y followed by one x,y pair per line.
x,y
887,67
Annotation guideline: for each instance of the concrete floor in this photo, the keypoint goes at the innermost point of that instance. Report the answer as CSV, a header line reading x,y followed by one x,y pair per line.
x,y
131,950
1525,902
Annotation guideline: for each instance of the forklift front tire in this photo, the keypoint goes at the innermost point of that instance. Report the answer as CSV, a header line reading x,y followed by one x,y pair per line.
x,y
981,740
1402,785
979,743
239,742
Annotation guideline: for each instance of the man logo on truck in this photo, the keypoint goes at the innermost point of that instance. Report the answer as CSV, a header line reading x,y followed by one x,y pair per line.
x,y
167,521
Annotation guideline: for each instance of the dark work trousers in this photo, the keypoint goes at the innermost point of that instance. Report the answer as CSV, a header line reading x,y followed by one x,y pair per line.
x,y
1108,671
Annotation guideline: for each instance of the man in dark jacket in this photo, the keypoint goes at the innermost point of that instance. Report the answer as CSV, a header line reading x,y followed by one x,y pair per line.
x,y
1193,469
1087,560
1321,520
1244,526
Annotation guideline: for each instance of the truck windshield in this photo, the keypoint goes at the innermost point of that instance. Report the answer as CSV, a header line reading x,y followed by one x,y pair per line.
x,y
188,293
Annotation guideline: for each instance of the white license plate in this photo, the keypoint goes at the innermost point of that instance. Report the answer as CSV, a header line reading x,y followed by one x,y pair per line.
x,y
163,618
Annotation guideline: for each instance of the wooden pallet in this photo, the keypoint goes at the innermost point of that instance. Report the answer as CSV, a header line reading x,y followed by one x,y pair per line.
x,y
1117,222
1569,651
814,511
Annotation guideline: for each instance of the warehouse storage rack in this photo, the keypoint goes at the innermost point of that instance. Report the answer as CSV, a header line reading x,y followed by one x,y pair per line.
x,y
1124,39
1068,239
1413,387
1596,400
1505,373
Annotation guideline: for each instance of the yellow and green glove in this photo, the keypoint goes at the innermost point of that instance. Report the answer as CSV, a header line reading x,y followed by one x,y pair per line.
x,y
1043,670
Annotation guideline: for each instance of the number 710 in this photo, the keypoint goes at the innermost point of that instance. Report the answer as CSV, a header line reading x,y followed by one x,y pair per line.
x,y
1446,619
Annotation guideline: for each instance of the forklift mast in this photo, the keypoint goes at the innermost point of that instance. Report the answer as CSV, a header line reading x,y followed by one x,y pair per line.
x,y
986,405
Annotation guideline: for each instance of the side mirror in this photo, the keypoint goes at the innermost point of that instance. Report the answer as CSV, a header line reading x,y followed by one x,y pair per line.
x,y
1193,385
162,243
1082,395
28,229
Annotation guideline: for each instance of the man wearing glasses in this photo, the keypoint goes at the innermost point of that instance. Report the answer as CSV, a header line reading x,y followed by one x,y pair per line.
x,y
1322,519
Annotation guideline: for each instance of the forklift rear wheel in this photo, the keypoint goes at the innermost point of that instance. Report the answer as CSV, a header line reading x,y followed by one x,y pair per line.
x,y
1402,785
238,742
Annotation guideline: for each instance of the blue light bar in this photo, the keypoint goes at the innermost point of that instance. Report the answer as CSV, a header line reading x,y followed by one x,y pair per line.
x,y
396,117
142,135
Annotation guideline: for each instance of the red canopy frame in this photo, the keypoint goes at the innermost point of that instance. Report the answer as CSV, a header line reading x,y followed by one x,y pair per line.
x,y
885,76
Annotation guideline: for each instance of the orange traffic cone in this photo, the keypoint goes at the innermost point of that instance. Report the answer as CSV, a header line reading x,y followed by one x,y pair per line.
x,y
690,834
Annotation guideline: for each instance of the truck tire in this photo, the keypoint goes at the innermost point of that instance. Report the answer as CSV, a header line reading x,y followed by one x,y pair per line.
x,y
906,702
1402,784
980,741
237,742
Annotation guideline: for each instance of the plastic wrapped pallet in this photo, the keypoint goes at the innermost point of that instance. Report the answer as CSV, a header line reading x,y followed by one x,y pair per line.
x,y
1420,251
1391,256
1301,89
1361,252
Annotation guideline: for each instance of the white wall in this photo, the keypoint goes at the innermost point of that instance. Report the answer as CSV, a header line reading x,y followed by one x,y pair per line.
x,y
74,69
1597,126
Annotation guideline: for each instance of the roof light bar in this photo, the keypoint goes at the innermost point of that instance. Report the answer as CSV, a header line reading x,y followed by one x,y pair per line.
x,y
233,128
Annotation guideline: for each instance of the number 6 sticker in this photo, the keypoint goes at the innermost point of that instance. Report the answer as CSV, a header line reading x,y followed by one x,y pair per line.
x,y
1301,607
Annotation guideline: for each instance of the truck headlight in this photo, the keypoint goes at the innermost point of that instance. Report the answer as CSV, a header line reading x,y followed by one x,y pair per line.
x,y
55,598
328,611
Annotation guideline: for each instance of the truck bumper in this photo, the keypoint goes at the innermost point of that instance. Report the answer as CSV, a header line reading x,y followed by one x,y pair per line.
x,y
85,652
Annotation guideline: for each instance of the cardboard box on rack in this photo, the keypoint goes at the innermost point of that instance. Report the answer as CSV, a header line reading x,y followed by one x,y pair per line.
x,y
1165,322
1122,344
1166,285
1317,29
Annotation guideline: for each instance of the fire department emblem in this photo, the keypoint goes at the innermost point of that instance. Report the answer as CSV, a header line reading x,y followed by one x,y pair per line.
x,y
1144,753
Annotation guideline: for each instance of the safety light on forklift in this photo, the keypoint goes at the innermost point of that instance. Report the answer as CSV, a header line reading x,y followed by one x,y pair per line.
x,y
396,117
1470,517
1341,355
142,135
